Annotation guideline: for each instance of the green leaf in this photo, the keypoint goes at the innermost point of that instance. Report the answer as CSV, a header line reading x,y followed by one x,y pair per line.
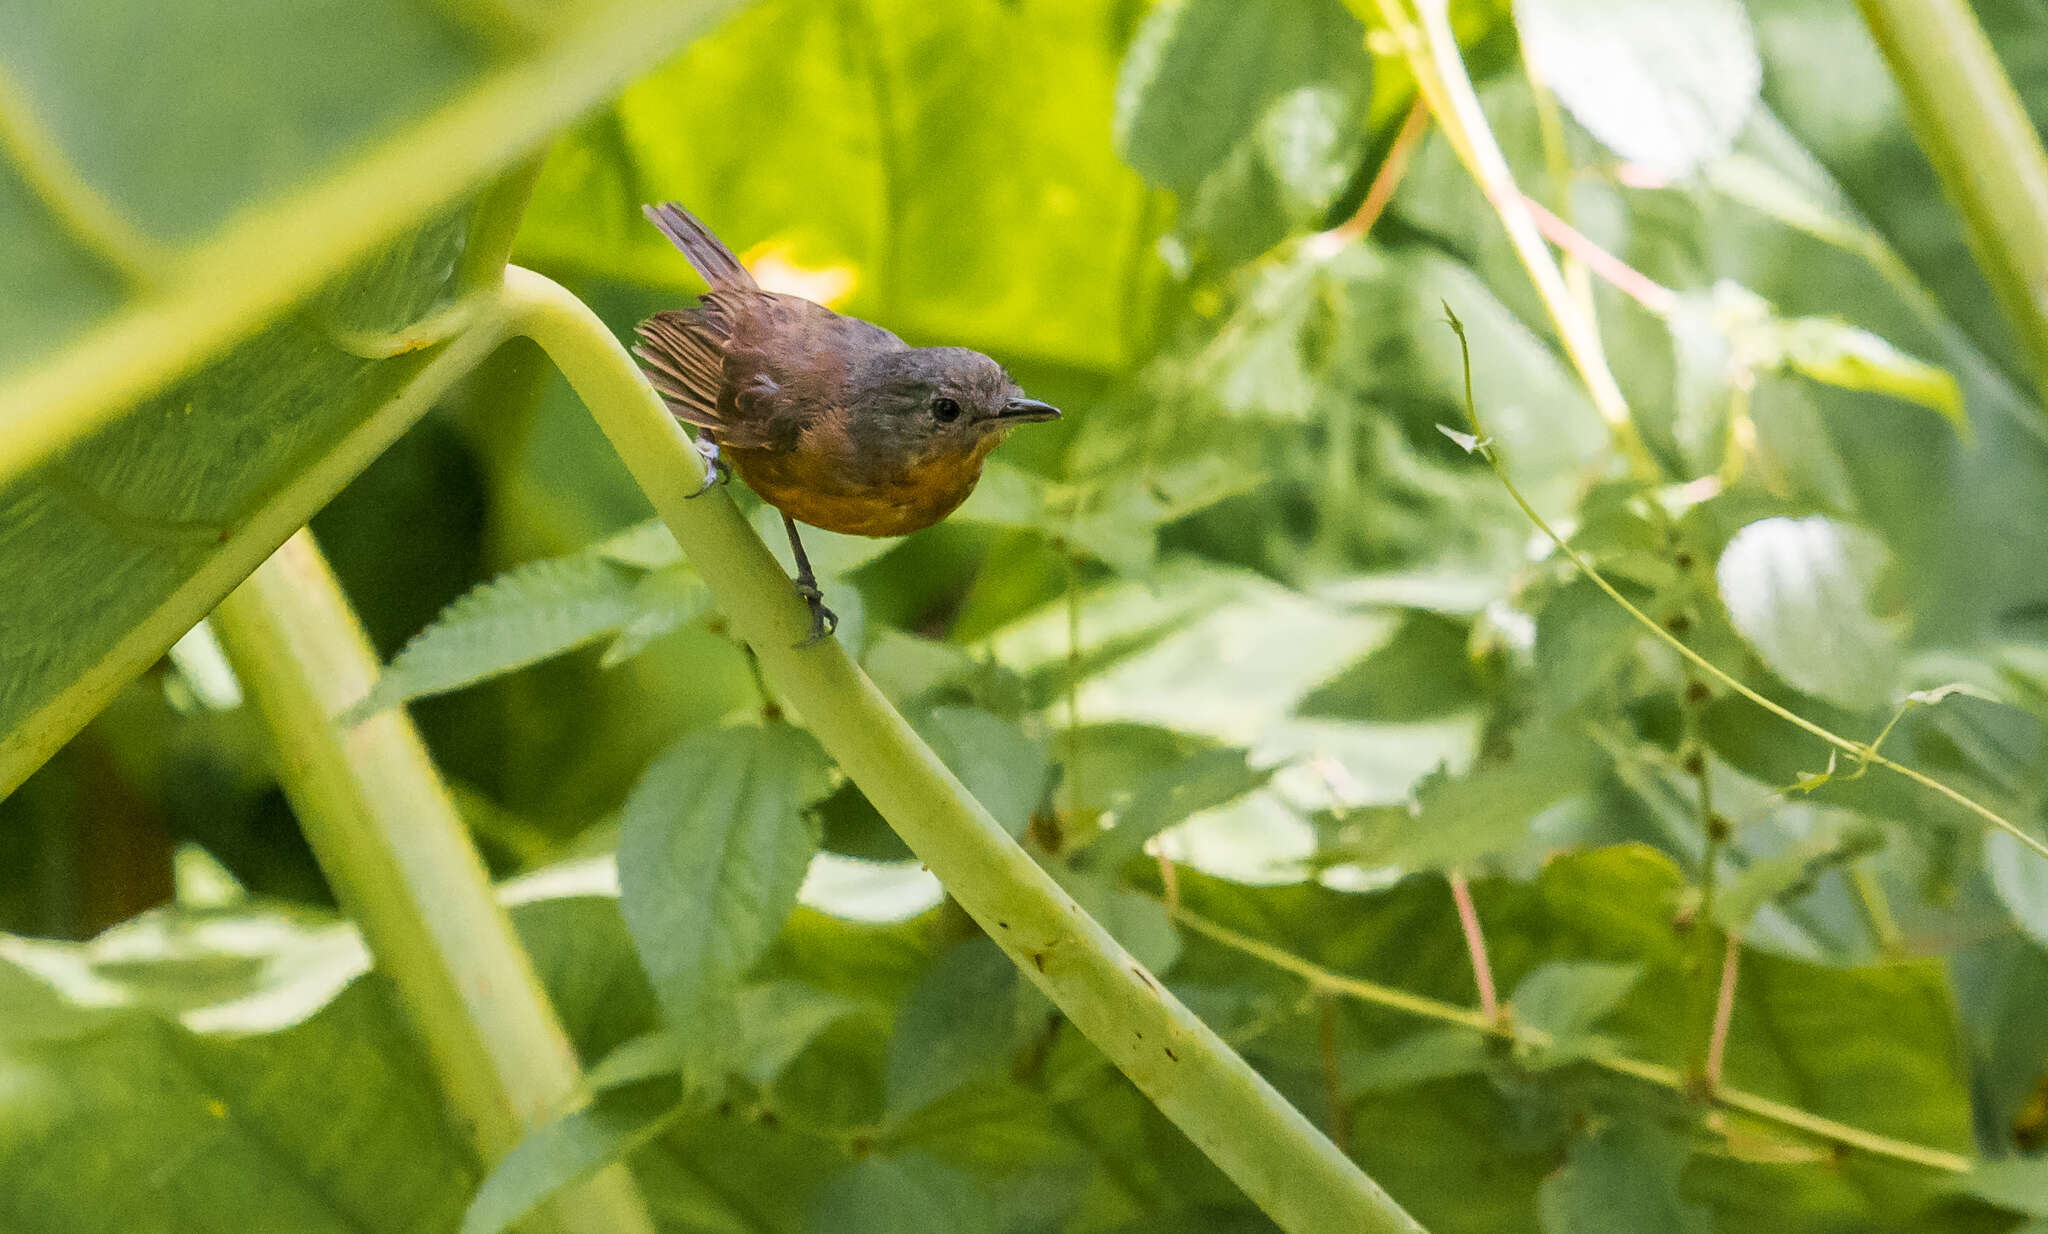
x,y
1200,649
779,1020
1835,839
1433,1054
1802,591
2020,877
956,1027
2018,1184
228,290
1203,781
906,1194
1566,999
713,846
1455,820
1664,83
332,1126
1202,75
1622,1179
1833,352
523,616
893,177
556,1154
1003,766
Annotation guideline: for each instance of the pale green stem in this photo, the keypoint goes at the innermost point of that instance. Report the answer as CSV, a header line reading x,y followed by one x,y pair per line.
x,y
1977,134
1322,980
400,861
1246,1127
1431,50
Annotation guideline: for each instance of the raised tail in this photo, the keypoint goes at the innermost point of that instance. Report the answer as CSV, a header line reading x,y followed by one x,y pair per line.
x,y
711,258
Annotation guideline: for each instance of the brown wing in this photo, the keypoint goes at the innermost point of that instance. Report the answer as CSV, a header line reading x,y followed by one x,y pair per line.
x,y
683,353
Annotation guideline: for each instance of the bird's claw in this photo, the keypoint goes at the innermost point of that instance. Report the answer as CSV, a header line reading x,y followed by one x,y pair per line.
x,y
823,620
715,470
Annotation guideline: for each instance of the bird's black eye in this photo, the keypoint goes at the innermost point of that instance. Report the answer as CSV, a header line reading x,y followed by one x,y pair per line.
x,y
945,410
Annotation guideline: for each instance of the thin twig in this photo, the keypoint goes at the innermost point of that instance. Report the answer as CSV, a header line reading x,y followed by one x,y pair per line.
x,y
1339,1128
1617,273
1475,945
1431,49
1669,1078
1384,182
1861,752
1724,1012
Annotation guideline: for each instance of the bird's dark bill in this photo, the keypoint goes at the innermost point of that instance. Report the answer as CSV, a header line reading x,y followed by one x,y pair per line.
x,y
1025,410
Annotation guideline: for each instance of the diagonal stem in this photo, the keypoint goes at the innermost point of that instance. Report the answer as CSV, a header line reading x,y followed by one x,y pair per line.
x,y
1245,1126
400,860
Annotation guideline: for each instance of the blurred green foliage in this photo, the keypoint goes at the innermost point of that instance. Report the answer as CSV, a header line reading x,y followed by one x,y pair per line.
x,y
1245,609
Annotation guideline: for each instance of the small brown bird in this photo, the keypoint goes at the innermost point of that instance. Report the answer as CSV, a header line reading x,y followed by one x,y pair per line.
x,y
833,421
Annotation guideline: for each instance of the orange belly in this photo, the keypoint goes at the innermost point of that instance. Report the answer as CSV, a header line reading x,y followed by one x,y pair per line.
x,y
806,487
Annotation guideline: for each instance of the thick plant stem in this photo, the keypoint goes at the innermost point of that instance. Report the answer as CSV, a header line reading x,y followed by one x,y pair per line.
x,y
1969,120
1262,1142
400,861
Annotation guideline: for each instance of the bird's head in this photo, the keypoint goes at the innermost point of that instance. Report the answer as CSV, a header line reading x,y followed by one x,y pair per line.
x,y
933,402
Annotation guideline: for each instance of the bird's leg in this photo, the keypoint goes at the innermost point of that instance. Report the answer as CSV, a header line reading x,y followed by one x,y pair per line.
x,y
715,469
823,620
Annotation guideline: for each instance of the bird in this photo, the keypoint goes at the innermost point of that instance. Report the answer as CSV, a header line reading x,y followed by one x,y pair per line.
x,y
834,421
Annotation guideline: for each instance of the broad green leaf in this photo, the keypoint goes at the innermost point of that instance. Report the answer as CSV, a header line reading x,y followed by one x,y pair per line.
x,y
956,1027
1003,766
876,157
1803,592
1836,839
2000,984
1622,1179
1664,83
988,1126
779,1019
1213,652
234,283
1203,781
712,849
521,617
1202,75
2020,877
909,1193
1432,1054
1566,999
333,1126
1455,820
2019,1184
1114,519
556,1154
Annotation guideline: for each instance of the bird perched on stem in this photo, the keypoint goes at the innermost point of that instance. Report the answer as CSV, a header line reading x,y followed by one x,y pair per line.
x,y
835,422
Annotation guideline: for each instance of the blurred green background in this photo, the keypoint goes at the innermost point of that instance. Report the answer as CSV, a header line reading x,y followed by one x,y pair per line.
x,y
1245,590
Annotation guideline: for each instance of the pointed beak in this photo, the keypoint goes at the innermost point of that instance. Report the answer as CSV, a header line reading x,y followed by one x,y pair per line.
x,y
1025,410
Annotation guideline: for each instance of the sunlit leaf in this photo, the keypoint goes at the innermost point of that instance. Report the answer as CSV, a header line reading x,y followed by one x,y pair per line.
x,y
1665,83
1803,592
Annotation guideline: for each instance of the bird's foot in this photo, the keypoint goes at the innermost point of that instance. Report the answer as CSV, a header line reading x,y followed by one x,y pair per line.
x,y
715,470
823,620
